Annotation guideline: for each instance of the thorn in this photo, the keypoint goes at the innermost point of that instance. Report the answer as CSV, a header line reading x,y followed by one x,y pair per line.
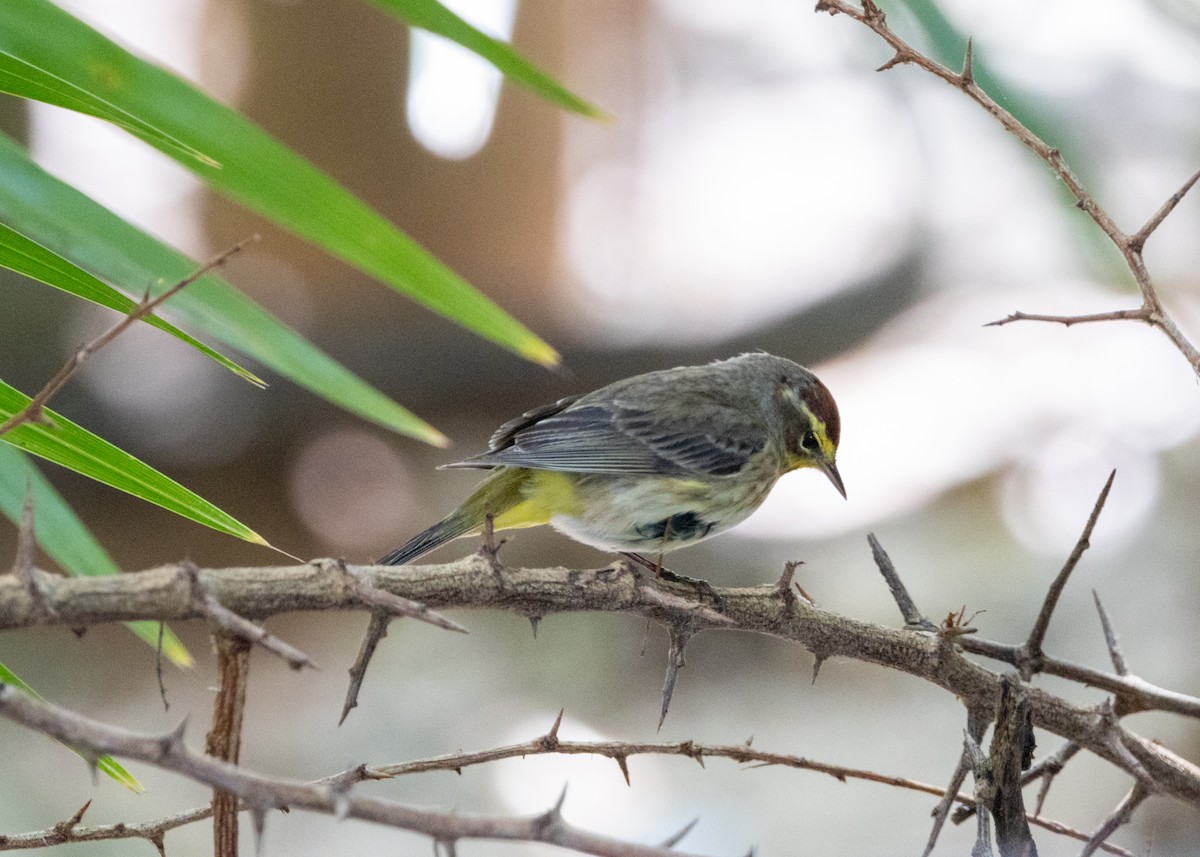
x,y
376,631
749,742
159,842
623,764
675,661
898,59
490,549
967,78
818,660
556,810
783,589
78,816
26,541
1110,637
64,828
552,735
672,841
172,742
258,816
534,621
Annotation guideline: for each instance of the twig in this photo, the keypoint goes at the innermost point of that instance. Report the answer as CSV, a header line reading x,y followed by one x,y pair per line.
x,y
1119,816
1138,239
551,744
158,666
34,411
1110,638
23,563
1139,314
1047,769
913,618
1029,655
949,795
976,725
376,631
263,793
1134,693
64,832
384,606
984,794
1152,310
204,604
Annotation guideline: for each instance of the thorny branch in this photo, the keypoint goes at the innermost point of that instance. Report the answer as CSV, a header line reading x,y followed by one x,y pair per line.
x,y
1130,245
1029,655
472,582
261,793
34,412
547,744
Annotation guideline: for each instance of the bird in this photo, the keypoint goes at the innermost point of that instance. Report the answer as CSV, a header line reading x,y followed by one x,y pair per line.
x,y
650,463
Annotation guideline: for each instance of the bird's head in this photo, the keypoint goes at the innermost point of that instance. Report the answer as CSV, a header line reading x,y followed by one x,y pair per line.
x,y
810,424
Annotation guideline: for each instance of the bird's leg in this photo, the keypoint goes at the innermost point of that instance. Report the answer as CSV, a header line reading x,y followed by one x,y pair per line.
x,y
702,587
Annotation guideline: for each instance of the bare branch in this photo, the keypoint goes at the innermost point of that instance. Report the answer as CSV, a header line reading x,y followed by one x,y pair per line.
x,y
376,631
1138,239
33,412
1119,816
23,563
949,796
1030,654
262,793
163,594
158,666
1110,638
385,606
59,834
1139,314
984,794
913,618
231,623
550,743
1134,693
1152,310
1047,769
393,605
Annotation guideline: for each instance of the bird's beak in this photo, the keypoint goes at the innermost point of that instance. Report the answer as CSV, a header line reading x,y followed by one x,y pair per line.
x,y
829,468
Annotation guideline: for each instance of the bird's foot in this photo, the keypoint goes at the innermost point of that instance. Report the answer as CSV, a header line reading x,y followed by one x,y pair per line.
x,y
703,587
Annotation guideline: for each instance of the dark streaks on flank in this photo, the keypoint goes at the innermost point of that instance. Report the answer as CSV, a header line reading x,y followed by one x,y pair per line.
x,y
681,527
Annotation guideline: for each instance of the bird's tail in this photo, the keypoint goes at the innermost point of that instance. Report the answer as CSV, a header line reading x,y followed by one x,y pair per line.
x,y
452,527
499,495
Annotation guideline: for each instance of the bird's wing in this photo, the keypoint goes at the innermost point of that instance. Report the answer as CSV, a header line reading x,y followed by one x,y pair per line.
x,y
628,437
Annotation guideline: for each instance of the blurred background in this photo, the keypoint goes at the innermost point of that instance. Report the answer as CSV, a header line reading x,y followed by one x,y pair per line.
x,y
759,186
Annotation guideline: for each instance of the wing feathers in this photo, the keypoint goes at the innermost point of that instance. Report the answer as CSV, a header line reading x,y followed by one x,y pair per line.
x,y
615,438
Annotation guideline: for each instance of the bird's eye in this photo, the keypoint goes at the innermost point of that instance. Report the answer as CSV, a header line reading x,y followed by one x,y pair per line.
x,y
810,442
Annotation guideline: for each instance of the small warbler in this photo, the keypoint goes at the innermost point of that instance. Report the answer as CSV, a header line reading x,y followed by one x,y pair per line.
x,y
651,463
